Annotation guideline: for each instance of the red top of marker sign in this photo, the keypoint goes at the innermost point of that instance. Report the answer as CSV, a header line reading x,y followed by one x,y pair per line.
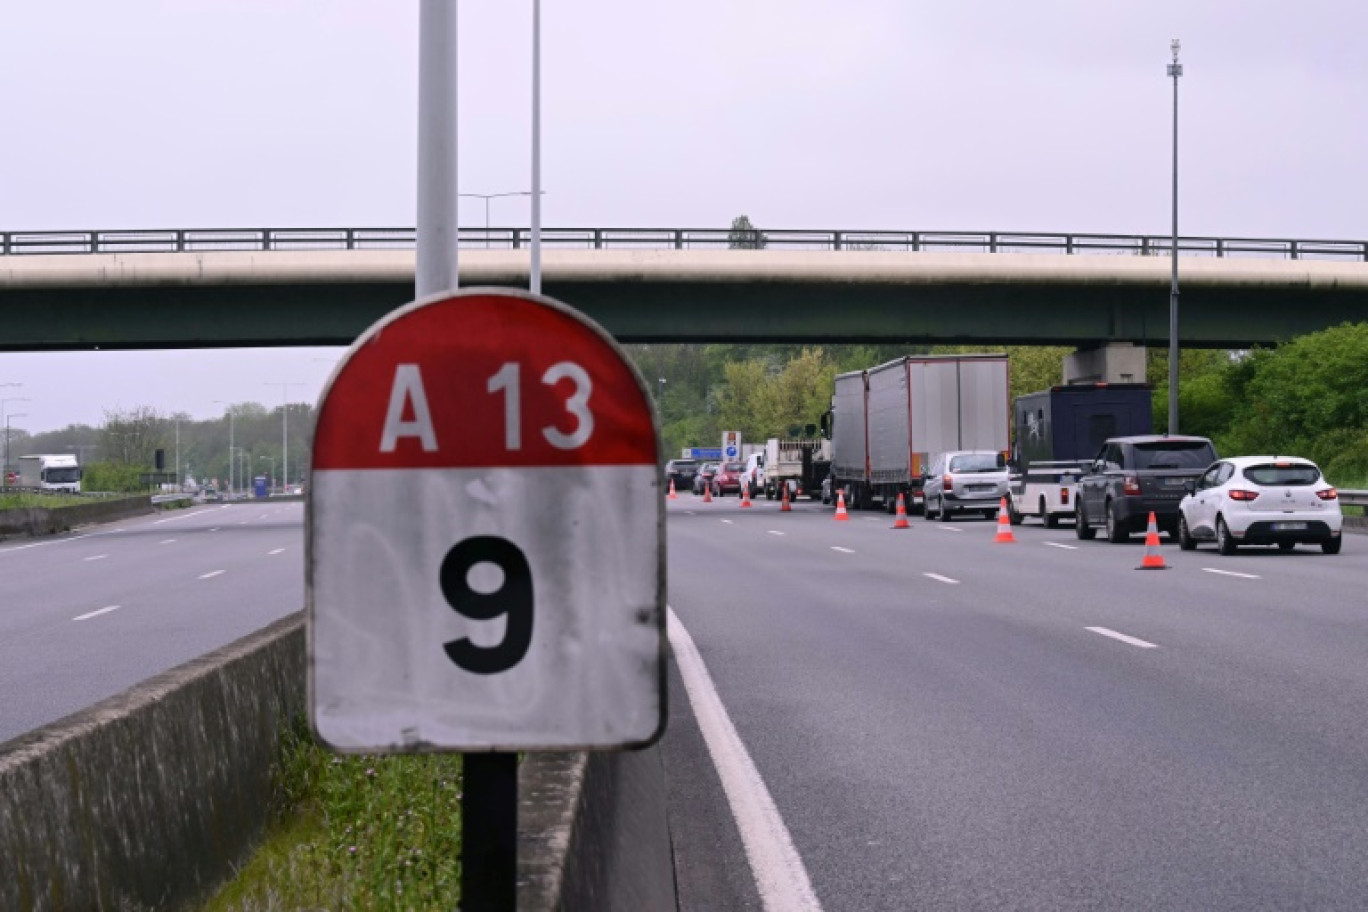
x,y
437,385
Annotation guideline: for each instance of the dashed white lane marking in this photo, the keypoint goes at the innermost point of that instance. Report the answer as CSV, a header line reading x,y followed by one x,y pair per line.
x,y
213,573
242,523
215,528
780,877
776,532
1230,573
842,550
1062,545
950,528
728,522
690,513
943,579
169,541
91,614
1122,637
276,551
180,517
871,519
95,557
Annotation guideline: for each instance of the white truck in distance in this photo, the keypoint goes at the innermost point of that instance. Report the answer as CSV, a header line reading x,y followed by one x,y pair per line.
x,y
50,472
800,463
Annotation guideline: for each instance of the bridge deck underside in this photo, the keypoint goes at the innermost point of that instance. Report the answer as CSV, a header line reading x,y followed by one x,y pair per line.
x,y
212,316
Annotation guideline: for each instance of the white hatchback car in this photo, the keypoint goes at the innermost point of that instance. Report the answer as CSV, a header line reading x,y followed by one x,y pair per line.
x,y
1260,500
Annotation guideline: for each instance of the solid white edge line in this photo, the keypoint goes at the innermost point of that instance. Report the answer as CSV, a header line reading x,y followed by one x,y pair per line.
x,y
842,550
943,579
91,614
1123,638
780,876
1062,545
212,573
1214,570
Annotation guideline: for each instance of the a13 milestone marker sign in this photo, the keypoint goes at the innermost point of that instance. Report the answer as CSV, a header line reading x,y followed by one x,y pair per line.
x,y
485,535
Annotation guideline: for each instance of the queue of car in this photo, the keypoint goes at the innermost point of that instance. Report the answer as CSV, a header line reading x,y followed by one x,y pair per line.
x,y
1193,496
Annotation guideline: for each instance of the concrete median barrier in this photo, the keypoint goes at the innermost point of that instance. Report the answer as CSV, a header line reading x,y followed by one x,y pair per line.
x,y
47,520
153,798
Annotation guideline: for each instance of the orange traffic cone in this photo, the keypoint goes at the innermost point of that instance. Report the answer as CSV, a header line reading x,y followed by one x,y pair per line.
x,y
901,522
672,495
1004,532
1153,559
840,506
745,495
707,493
784,505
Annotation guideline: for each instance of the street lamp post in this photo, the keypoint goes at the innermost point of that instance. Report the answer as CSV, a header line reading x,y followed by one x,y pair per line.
x,y
5,470
660,393
229,410
285,428
1175,69
489,196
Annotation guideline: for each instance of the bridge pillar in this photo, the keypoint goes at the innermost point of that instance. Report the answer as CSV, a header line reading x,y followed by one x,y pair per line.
x,y
1115,362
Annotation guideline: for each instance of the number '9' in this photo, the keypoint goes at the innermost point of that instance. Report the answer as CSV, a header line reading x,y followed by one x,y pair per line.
x,y
513,598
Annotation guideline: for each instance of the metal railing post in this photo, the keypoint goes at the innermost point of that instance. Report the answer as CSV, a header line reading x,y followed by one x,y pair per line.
x,y
835,240
1295,249
992,242
598,238
678,239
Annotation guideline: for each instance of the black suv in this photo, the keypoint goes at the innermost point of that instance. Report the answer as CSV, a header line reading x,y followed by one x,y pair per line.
x,y
1134,476
681,472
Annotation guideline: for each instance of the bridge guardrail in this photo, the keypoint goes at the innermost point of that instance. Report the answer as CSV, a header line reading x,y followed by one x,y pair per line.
x,y
180,240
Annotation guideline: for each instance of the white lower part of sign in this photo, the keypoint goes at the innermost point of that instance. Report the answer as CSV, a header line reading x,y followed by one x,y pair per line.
x,y
381,675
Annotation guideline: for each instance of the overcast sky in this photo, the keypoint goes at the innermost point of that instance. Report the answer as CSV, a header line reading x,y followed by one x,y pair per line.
x,y
995,115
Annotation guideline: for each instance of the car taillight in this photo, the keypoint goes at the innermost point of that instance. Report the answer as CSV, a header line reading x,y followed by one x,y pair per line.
x,y
1241,494
948,482
1064,496
1130,485
1328,494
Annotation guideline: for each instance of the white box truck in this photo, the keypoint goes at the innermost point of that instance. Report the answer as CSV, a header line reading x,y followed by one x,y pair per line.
x,y
800,463
889,422
50,472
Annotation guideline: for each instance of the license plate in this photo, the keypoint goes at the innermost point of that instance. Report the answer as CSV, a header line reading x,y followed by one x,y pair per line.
x,y
979,489
1288,526
1174,482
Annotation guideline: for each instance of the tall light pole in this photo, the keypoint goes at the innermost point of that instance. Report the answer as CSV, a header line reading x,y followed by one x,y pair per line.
x,y
489,196
285,427
1175,69
5,470
534,283
229,410
660,393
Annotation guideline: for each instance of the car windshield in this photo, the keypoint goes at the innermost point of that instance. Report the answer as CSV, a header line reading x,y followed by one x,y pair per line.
x,y
974,462
709,468
1298,475
1174,454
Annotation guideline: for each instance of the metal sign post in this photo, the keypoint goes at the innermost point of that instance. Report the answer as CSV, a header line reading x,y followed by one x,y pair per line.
x,y
485,542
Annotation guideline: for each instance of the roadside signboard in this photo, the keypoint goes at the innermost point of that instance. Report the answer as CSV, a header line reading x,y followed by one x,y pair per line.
x,y
731,445
485,535
713,453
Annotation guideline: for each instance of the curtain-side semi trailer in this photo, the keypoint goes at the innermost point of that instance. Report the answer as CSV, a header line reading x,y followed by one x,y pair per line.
x,y
1057,432
889,422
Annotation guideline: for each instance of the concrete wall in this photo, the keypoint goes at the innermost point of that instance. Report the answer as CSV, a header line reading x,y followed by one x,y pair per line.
x,y
151,799
47,520
147,800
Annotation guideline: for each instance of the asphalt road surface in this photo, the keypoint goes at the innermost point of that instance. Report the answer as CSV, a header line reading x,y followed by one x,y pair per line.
x,y
84,616
945,722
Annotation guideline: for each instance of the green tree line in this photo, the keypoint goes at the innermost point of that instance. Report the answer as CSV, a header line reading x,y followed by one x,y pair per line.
x,y
120,451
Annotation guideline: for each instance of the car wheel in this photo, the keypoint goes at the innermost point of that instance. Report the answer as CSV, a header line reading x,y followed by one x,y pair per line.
x,y
1013,516
1185,539
1116,533
1084,531
1332,545
941,511
928,514
1047,518
1286,546
1225,542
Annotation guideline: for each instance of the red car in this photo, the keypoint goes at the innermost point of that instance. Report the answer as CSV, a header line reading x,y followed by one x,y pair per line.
x,y
728,479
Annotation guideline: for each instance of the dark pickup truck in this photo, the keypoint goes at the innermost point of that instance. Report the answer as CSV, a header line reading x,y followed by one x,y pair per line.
x,y
1134,476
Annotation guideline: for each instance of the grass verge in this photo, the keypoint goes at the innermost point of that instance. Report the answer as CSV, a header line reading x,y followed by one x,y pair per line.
x,y
356,832
20,501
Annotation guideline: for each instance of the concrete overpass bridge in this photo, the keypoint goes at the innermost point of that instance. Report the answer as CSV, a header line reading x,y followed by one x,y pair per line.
x,y
202,289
